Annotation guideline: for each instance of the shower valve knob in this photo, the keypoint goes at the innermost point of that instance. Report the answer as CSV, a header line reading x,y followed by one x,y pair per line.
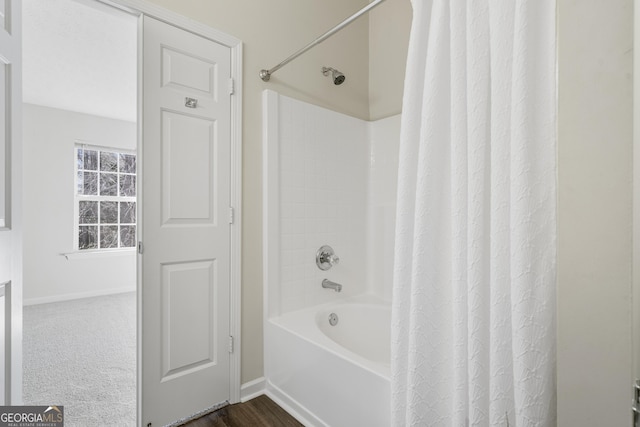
x,y
326,258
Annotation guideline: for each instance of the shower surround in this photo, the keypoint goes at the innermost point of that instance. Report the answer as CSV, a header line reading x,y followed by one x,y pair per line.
x,y
330,179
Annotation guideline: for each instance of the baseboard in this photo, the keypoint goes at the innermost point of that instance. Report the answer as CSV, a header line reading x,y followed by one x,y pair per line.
x,y
294,409
77,295
252,389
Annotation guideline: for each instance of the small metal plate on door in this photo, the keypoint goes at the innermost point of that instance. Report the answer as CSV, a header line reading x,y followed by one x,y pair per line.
x,y
190,102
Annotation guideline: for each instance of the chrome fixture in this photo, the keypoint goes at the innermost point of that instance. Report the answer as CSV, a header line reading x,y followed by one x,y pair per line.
x,y
326,283
333,319
336,76
265,75
326,258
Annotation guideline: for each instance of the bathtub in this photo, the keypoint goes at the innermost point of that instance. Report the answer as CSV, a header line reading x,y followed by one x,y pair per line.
x,y
331,375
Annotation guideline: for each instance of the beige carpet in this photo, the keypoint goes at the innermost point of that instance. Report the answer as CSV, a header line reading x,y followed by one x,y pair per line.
x,y
82,354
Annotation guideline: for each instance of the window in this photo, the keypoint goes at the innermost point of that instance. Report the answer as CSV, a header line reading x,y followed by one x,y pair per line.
x,y
105,199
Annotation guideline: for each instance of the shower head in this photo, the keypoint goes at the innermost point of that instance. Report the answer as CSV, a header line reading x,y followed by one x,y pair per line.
x,y
336,76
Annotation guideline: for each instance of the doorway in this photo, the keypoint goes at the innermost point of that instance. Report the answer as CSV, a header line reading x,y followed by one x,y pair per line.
x,y
80,146
191,142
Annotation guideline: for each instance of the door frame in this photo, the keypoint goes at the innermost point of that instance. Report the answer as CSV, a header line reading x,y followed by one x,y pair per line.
x,y
140,8
11,229
635,264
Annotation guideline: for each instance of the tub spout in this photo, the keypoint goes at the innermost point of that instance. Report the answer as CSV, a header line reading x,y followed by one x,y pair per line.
x,y
326,283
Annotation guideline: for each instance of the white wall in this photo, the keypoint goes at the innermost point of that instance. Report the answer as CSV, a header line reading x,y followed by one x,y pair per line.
x,y
389,28
49,141
595,151
636,195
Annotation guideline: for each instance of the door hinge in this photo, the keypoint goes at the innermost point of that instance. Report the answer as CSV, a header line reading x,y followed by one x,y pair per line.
x,y
232,87
232,215
635,404
230,344
140,248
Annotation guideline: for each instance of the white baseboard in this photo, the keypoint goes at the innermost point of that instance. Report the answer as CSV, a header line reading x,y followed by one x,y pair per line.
x,y
252,389
294,409
77,295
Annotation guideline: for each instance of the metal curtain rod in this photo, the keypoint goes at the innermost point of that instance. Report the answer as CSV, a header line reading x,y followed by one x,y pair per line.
x,y
265,75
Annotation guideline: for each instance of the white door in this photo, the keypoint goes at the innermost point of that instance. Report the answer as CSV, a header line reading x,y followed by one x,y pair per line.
x,y
185,224
10,203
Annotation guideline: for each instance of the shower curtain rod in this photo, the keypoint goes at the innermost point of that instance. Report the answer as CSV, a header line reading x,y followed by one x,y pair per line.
x,y
265,75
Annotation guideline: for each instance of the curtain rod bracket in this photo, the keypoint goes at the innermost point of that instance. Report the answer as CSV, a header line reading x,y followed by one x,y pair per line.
x,y
265,75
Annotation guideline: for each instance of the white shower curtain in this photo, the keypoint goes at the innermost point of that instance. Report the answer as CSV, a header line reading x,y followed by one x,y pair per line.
x,y
473,333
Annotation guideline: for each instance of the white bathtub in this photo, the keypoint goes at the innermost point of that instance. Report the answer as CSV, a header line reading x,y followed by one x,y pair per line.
x,y
331,375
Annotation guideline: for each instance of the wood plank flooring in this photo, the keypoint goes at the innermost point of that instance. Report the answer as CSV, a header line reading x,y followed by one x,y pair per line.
x,y
257,412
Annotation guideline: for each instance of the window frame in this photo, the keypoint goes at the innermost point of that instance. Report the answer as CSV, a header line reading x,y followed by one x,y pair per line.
x,y
77,198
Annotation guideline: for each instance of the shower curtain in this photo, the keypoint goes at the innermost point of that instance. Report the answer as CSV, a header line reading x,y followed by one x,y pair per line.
x,y
473,318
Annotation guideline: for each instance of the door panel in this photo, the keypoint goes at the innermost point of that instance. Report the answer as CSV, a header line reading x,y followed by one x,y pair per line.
x,y
188,72
5,165
10,200
189,317
5,15
186,191
188,144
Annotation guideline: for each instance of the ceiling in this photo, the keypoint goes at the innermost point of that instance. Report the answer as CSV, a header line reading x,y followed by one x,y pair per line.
x,y
80,55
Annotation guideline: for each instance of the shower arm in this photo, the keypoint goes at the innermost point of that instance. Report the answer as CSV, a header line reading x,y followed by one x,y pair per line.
x,y
265,75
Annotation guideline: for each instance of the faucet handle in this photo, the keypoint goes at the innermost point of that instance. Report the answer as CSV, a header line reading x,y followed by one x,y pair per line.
x,y
326,258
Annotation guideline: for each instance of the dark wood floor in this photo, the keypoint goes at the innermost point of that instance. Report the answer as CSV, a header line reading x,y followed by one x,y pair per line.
x,y
260,411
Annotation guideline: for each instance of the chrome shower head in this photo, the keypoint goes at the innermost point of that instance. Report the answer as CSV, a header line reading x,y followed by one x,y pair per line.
x,y
337,77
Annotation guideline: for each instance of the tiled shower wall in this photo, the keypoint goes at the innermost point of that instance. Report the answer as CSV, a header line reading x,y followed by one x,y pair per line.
x,y
323,193
333,189
384,141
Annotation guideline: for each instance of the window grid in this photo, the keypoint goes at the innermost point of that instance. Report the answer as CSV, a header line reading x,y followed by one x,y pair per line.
x,y
105,194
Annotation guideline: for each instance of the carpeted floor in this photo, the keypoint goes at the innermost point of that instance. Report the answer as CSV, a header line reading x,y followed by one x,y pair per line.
x,y
82,354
